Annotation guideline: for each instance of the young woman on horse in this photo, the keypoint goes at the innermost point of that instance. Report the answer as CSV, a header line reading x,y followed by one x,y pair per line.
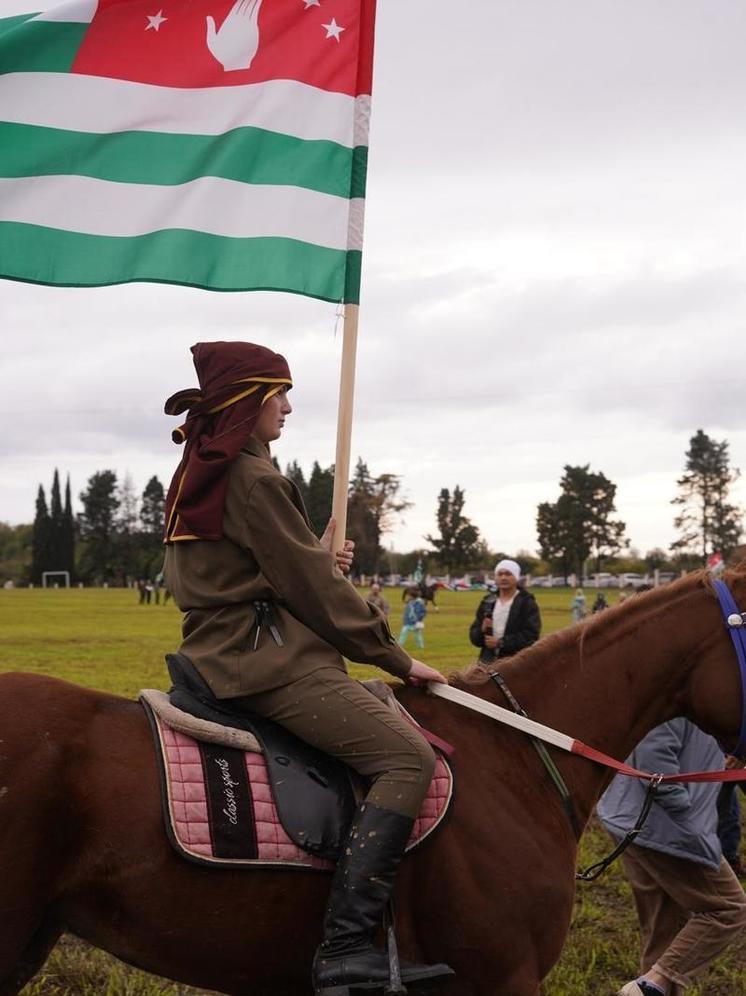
x,y
268,617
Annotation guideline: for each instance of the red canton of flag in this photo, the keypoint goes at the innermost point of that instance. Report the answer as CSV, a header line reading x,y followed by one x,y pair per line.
x,y
715,562
201,43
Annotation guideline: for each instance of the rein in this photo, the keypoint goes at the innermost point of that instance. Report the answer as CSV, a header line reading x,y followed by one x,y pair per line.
x,y
546,757
568,744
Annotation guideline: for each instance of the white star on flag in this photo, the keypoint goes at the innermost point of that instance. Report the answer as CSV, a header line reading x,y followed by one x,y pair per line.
x,y
333,30
156,20
312,3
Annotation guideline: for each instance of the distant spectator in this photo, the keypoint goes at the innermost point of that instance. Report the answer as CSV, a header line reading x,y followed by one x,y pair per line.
x,y
600,603
578,607
148,591
413,618
689,902
508,619
376,598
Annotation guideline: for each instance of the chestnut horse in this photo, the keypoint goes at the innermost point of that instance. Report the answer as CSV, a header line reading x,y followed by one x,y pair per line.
x,y
83,849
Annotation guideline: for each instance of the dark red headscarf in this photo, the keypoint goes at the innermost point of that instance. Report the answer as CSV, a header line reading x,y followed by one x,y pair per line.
x,y
235,379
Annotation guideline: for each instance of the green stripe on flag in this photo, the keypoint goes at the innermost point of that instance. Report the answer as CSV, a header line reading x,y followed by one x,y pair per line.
x,y
9,23
249,155
28,46
50,256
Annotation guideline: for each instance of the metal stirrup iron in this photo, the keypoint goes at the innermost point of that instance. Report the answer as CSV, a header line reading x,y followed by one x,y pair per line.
x,y
395,986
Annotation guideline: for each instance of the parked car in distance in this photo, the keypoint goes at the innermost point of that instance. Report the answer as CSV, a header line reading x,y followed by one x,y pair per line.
x,y
632,580
547,581
664,577
603,580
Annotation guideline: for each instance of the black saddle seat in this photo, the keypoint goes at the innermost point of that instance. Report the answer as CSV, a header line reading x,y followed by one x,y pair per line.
x,y
312,791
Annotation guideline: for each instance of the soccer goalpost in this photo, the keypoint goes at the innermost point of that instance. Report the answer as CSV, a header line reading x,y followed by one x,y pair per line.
x,y
46,575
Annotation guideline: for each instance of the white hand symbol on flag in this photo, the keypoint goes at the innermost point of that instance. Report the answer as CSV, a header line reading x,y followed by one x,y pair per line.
x,y
236,43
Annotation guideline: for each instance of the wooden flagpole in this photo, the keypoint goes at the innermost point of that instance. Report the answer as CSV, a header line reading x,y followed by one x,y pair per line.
x,y
344,424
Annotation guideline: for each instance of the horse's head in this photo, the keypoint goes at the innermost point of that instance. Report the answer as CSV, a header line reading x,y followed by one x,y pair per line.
x,y
715,692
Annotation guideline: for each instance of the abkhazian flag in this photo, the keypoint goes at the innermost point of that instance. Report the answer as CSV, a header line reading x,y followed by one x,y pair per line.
x,y
214,143
715,563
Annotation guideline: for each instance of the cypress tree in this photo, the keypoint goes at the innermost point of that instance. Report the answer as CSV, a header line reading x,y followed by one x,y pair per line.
x,y
67,542
56,528
319,497
40,540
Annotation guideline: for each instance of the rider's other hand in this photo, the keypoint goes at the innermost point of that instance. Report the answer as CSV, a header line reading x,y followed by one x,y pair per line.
x,y
421,674
491,642
343,557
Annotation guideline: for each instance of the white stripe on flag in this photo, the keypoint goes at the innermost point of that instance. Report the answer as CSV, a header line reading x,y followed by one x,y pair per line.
x,y
77,11
101,105
208,204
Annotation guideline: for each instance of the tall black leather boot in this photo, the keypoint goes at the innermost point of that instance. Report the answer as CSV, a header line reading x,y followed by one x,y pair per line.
x,y
346,960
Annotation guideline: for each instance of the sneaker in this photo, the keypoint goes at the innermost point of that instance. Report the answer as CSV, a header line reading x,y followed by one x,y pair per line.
x,y
639,987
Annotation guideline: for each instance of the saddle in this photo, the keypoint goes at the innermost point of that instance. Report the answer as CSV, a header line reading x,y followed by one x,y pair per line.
x,y
240,788
313,792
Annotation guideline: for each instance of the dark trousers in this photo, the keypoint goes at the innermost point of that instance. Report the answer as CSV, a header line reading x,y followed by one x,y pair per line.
x,y
729,820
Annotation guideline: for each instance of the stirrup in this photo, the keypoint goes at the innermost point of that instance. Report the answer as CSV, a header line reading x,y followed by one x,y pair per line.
x,y
395,986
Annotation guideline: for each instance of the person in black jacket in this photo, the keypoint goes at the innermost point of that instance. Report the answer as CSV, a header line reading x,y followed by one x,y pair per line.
x,y
507,620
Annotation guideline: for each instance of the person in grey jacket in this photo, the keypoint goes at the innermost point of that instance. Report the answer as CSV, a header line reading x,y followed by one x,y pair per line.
x,y
689,902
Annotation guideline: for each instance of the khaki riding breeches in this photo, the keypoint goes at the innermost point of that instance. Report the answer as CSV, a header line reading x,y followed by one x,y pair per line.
x,y
336,714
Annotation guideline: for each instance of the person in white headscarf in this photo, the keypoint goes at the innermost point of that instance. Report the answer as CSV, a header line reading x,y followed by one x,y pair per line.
x,y
508,619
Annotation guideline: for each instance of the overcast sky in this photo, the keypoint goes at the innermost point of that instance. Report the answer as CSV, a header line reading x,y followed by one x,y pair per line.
x,y
553,273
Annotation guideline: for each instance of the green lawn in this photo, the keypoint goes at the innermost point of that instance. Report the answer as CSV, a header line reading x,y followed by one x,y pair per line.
x,y
105,639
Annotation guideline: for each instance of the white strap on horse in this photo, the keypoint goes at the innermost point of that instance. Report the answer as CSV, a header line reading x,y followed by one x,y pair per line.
x,y
497,712
573,746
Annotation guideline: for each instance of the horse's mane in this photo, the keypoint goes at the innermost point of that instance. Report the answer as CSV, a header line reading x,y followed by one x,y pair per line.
x,y
551,646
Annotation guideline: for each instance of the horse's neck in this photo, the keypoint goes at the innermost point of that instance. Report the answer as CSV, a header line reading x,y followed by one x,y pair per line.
x,y
609,682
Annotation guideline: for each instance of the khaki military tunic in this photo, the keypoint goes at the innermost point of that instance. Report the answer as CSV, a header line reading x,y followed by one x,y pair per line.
x,y
268,552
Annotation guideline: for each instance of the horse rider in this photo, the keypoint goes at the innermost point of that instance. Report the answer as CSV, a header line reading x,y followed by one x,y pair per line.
x,y
237,534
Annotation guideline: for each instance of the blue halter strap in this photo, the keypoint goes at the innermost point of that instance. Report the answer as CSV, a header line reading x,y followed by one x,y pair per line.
x,y
734,620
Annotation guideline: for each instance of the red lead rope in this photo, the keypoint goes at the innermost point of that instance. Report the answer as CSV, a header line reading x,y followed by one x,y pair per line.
x,y
734,775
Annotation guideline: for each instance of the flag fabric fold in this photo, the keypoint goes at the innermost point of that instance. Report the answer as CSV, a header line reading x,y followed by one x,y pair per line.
x,y
212,143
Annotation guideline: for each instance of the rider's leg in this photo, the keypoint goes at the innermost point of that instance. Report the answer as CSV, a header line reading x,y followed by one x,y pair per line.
x,y
331,711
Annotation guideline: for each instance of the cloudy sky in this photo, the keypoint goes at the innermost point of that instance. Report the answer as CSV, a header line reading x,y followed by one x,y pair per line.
x,y
554,272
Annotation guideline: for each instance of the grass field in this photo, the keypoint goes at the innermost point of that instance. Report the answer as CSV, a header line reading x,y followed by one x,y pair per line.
x,y
105,639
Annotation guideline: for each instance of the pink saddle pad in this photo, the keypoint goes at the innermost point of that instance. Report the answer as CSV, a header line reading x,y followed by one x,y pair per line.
x,y
219,808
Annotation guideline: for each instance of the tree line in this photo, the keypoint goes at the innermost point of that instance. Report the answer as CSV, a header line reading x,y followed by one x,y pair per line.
x,y
117,536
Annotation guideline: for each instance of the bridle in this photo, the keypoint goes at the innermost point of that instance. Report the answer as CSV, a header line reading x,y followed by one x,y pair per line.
x,y
735,620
